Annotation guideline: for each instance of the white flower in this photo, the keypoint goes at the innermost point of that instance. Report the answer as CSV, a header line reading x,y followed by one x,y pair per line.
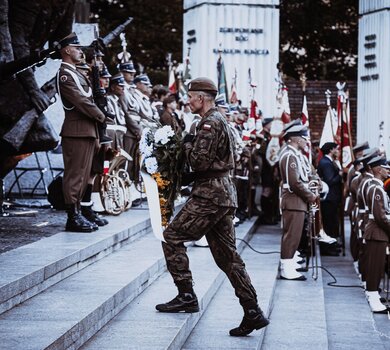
x,y
145,148
163,134
151,165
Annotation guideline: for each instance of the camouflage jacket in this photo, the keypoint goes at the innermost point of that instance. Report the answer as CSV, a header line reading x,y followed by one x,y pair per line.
x,y
211,157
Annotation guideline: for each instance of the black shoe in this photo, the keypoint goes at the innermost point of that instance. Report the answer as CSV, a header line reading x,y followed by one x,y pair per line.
x,y
76,223
184,302
136,202
92,216
329,252
253,319
104,139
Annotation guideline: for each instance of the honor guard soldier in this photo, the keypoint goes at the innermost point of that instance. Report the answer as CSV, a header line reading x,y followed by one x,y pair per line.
x,y
377,232
209,211
143,106
79,132
118,130
364,180
295,199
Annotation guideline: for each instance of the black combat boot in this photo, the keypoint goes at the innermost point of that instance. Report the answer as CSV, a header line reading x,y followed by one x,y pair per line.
x,y
92,216
183,302
253,319
76,222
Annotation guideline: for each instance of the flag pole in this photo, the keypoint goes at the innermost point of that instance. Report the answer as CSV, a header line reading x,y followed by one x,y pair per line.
x,y
341,95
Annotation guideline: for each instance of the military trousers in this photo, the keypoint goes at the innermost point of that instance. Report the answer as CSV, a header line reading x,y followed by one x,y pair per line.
x,y
78,154
376,257
201,217
293,221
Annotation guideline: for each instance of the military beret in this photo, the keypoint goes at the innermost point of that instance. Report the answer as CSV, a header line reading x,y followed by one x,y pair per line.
x,y
104,73
203,84
328,146
118,79
361,147
296,130
69,40
378,161
142,78
127,67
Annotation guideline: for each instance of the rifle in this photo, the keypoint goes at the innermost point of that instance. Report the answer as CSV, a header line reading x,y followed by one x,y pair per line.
x,y
17,134
35,59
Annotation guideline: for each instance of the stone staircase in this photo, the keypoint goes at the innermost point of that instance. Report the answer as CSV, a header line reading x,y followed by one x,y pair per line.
x,y
99,291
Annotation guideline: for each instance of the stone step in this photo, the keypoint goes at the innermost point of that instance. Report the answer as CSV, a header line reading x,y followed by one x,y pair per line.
x,y
30,269
140,326
224,311
298,318
68,313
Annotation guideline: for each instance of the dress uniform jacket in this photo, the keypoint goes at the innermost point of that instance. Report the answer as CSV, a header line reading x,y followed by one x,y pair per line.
x,y
378,225
81,113
79,131
295,192
119,129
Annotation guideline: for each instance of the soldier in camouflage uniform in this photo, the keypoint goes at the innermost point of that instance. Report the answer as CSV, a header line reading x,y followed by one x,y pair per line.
x,y
209,211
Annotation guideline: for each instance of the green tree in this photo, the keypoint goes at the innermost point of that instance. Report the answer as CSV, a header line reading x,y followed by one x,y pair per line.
x,y
155,31
320,37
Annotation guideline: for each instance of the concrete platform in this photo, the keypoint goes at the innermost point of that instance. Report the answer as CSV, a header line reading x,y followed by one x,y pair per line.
x,y
30,269
225,312
140,326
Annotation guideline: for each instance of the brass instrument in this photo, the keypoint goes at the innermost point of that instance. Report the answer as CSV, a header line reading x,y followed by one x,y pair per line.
x,y
115,186
315,186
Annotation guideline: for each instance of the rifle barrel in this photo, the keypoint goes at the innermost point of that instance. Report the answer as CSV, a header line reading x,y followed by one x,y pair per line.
x,y
114,33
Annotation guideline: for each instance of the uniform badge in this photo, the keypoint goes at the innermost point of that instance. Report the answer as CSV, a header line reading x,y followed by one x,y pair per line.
x,y
377,197
206,127
293,165
63,78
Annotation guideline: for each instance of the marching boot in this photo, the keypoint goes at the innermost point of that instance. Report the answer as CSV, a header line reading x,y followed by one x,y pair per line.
x,y
253,319
76,222
92,216
375,303
183,302
288,271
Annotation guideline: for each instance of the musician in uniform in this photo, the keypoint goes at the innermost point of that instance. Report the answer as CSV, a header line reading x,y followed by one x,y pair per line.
x,y
209,211
79,132
377,232
296,197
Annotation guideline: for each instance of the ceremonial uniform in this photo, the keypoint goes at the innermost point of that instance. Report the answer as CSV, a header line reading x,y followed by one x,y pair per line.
x,y
376,233
295,199
79,131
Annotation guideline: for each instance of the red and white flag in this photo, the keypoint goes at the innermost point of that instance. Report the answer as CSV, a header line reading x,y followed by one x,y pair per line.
x,y
343,133
172,81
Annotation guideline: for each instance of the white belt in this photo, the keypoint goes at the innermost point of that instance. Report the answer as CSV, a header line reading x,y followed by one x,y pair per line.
x,y
117,128
362,211
287,186
371,216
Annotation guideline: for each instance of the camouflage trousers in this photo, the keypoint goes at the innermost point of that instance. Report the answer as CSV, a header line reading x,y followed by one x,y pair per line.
x,y
201,217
